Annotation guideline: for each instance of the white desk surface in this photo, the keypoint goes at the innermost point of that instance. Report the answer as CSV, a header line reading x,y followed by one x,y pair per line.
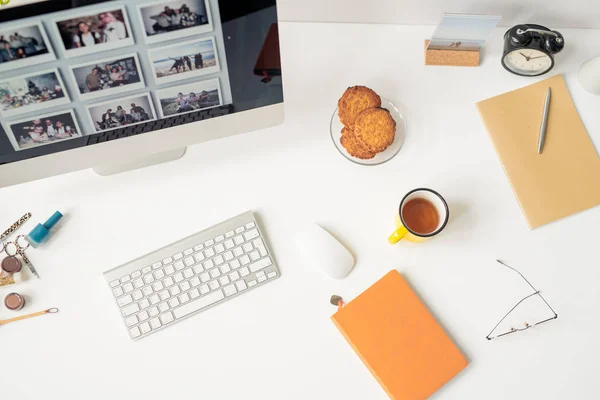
x,y
278,342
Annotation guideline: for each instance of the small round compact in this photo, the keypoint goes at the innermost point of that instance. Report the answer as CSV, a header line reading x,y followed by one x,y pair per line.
x,y
14,301
11,265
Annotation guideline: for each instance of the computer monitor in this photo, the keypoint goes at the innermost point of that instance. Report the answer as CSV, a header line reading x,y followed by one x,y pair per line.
x,y
116,85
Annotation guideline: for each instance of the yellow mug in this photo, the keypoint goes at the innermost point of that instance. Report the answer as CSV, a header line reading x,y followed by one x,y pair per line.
x,y
422,201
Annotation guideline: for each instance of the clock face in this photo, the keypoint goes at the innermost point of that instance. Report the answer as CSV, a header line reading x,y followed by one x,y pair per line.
x,y
527,62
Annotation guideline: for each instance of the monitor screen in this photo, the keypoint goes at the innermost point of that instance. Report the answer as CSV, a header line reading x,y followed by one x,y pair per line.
x,y
80,72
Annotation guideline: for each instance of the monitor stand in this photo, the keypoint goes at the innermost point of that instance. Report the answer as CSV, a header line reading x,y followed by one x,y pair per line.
x,y
152,159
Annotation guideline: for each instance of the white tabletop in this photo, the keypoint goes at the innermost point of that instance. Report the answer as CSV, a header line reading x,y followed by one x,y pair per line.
x,y
278,342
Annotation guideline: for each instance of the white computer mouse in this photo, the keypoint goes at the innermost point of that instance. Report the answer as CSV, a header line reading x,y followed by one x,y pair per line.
x,y
323,251
589,75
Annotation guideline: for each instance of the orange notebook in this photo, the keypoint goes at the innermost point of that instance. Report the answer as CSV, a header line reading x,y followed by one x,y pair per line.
x,y
561,181
397,338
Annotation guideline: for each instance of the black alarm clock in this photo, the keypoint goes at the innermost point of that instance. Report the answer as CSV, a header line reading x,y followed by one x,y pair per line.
x,y
529,49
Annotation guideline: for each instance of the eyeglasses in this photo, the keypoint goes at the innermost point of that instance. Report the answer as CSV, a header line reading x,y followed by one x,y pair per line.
x,y
526,325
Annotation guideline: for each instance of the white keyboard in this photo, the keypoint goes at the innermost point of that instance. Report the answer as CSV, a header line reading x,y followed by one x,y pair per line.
x,y
191,275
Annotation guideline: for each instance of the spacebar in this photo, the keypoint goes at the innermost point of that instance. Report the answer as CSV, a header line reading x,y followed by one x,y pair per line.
x,y
198,304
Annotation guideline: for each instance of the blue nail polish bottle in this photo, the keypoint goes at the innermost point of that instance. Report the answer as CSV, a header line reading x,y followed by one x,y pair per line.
x,y
41,232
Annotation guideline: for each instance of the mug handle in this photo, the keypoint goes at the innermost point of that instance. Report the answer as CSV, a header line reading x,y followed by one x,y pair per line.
x,y
397,235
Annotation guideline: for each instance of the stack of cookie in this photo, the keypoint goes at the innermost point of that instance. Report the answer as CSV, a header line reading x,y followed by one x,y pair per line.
x,y
368,128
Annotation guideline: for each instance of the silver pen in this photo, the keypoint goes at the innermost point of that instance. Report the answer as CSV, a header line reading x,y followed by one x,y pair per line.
x,y
544,123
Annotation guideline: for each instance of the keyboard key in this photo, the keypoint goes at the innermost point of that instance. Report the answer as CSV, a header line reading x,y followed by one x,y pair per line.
x,y
184,286
154,299
253,234
155,323
131,320
230,290
184,298
164,295
167,260
219,238
143,316
198,268
272,274
178,256
188,252
189,262
168,282
262,250
240,229
178,277
229,244
199,257
225,268
126,278
234,276
157,265
235,264
209,243
204,289
238,240
179,266
262,279
175,290
223,280
258,242
198,247
244,259
145,304
208,264
254,255
136,274
198,304
145,270
153,311
214,285
247,247
128,287
219,248
241,285
166,318
169,270
250,225
215,272
135,332
194,293
130,309
238,251
261,274
205,277
148,278
209,252
138,283
188,273
265,262
159,274
252,283
195,281
228,256
157,286
174,302
145,328
163,307
229,234
218,260
115,283
244,271
137,295
147,290
123,301
118,292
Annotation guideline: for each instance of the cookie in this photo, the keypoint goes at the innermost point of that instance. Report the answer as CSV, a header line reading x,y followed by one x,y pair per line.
x,y
355,100
348,140
375,129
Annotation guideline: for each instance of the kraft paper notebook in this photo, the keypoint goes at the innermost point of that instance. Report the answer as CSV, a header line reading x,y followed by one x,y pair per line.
x,y
564,179
398,340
